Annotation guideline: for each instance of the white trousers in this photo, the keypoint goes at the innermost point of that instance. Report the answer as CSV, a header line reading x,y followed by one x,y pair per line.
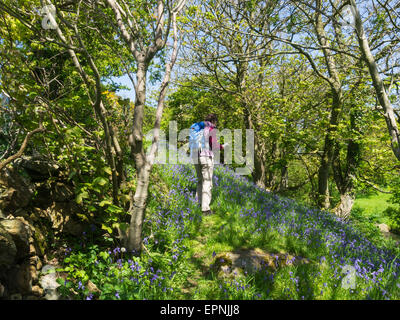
x,y
204,170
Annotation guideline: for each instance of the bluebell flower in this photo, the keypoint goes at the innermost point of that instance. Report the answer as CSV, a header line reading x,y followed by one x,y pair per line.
x,y
80,286
89,297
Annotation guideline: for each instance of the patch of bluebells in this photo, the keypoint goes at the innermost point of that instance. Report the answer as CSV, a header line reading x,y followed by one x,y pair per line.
x,y
173,213
318,229
339,243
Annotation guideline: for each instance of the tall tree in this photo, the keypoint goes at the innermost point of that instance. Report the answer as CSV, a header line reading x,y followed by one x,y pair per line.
x,y
377,81
133,32
220,46
136,31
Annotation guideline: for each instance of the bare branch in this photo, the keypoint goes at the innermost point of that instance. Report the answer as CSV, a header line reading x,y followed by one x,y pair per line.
x,y
23,146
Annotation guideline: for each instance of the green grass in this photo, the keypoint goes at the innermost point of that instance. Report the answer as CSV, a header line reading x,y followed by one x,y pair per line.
x,y
182,246
373,206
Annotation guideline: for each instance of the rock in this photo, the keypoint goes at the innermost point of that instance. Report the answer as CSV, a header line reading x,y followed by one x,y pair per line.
x,y
20,213
37,167
62,216
33,272
39,265
32,298
8,249
2,290
73,227
92,287
37,291
48,269
32,249
35,262
19,190
39,244
16,296
19,279
52,294
231,264
383,227
61,192
14,198
225,269
43,195
20,235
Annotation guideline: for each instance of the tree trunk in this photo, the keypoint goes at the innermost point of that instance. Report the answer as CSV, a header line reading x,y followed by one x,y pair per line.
x,y
377,82
259,172
143,57
133,242
323,185
337,101
284,178
344,176
327,156
137,210
272,176
136,137
345,205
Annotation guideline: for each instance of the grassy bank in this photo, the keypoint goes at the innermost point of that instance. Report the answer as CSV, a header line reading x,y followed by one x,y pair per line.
x,y
373,206
181,247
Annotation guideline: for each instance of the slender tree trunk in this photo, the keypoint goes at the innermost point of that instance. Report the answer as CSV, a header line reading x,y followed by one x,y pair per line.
x,y
144,163
136,137
337,101
344,176
345,205
98,106
272,176
23,146
137,210
284,178
377,82
323,185
327,156
138,201
259,172
259,175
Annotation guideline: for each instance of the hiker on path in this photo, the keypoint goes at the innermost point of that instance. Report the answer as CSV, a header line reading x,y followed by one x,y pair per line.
x,y
203,158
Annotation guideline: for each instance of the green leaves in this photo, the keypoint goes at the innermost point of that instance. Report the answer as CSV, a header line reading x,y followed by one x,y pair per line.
x,y
105,202
100,181
83,195
106,228
104,255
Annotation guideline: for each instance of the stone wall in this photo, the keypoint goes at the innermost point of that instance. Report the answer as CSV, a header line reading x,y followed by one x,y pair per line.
x,y
36,207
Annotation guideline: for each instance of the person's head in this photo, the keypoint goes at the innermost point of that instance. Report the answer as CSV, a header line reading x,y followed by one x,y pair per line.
x,y
212,117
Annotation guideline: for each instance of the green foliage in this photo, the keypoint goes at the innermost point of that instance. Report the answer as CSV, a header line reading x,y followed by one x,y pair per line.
x,y
393,212
116,274
367,225
393,215
157,274
180,249
278,95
